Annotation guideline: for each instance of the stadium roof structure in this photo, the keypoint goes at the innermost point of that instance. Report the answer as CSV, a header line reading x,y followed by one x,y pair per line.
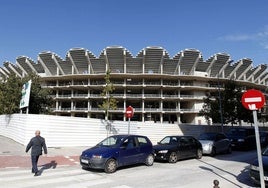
x,y
150,60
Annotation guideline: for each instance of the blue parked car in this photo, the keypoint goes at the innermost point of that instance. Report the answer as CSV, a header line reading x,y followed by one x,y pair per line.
x,y
254,171
118,150
242,137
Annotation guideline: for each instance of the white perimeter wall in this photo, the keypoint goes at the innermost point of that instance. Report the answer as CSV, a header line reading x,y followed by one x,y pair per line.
x,y
61,131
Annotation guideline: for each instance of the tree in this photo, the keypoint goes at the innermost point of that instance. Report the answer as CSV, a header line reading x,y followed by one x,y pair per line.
x,y
109,103
10,95
263,114
232,110
230,102
40,100
206,110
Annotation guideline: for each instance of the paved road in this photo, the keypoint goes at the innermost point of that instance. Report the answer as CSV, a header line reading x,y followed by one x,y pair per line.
x,y
190,173
61,169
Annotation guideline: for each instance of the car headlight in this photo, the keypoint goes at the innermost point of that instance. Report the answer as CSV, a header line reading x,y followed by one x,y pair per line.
x,y
163,151
96,156
241,140
253,167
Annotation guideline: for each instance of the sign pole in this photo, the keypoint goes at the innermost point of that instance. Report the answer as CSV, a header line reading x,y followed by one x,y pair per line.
x,y
129,114
128,125
253,100
258,149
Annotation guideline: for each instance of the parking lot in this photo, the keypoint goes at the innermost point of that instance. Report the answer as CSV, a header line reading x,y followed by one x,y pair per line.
x,y
231,170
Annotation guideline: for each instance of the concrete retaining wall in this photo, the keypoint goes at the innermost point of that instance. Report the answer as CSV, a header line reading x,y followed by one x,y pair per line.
x,y
61,131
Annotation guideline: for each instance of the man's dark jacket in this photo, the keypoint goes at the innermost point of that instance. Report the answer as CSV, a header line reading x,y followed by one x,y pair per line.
x,y
37,143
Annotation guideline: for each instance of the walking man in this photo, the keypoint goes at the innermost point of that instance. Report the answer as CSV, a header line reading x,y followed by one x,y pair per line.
x,y
36,143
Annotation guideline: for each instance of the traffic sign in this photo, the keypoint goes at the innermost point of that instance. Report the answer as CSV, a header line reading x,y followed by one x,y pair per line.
x,y
253,99
129,112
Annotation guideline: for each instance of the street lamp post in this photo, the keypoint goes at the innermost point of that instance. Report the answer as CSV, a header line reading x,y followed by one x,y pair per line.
x,y
220,104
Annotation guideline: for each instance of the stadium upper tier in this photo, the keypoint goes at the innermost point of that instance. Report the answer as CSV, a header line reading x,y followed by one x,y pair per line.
x,y
150,60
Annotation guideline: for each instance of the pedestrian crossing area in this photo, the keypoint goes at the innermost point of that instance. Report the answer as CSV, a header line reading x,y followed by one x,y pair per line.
x,y
61,177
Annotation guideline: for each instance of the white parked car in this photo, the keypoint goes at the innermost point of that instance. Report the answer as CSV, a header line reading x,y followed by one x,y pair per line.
x,y
214,143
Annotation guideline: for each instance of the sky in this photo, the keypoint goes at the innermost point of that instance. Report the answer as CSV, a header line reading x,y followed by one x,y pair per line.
x,y
236,27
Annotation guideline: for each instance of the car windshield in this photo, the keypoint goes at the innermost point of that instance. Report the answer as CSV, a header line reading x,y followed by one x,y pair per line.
x,y
111,141
169,140
236,132
207,136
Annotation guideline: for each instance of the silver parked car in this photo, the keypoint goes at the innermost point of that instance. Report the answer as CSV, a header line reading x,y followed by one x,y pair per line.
x,y
214,143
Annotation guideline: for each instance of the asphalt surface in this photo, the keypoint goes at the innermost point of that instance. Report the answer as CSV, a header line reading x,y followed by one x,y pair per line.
x,y
13,155
230,170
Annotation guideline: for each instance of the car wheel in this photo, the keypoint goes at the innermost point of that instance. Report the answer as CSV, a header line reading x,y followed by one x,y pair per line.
x,y
110,166
173,158
199,154
149,160
213,152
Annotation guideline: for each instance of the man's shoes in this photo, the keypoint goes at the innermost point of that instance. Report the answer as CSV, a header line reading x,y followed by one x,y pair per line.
x,y
36,174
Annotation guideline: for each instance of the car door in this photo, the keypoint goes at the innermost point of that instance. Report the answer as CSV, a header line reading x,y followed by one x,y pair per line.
x,y
183,148
192,147
129,152
144,147
221,142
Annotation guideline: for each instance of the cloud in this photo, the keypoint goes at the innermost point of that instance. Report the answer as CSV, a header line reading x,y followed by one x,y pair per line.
x,y
259,37
237,37
265,45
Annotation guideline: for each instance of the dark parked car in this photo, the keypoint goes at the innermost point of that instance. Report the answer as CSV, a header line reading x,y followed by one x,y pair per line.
x,y
173,148
214,143
263,138
118,150
242,137
254,168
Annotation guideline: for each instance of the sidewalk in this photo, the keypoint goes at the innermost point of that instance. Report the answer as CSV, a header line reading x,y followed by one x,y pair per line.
x,y
13,155
10,147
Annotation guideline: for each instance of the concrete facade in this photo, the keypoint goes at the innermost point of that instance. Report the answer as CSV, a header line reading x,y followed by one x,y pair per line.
x,y
160,88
